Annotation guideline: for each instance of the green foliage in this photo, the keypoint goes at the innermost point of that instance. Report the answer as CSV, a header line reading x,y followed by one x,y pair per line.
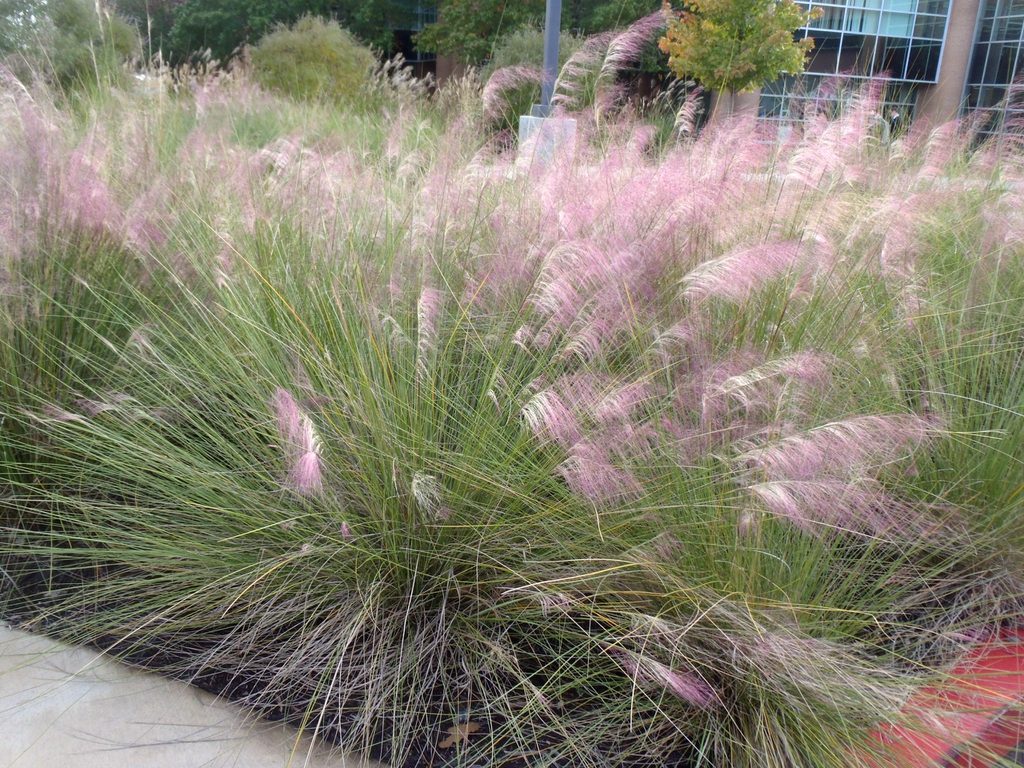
x,y
591,17
470,29
67,41
154,20
223,26
474,30
86,48
374,21
525,47
313,59
19,24
737,45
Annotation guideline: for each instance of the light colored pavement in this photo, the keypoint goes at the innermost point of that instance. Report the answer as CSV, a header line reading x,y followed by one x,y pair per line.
x,y
64,707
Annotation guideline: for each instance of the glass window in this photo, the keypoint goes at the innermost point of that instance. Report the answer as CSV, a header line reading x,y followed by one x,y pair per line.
x,y
929,26
977,69
831,17
896,24
940,7
857,54
891,59
1007,28
864,22
923,64
999,63
901,6
990,96
824,57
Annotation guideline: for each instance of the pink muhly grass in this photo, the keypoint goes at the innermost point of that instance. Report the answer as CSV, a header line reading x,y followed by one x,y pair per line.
x,y
628,440
829,505
840,447
595,291
82,198
551,412
549,418
737,275
590,473
306,477
301,444
578,68
765,384
689,112
620,403
502,81
56,413
942,146
627,46
428,311
688,687
679,337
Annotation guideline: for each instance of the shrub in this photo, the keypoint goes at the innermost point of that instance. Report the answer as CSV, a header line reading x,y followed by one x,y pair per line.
x,y
525,47
703,458
313,59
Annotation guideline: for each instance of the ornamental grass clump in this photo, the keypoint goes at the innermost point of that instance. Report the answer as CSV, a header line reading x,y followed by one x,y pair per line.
x,y
703,457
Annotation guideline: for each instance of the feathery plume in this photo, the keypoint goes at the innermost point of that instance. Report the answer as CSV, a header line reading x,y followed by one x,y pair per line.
x,y
754,387
829,506
589,472
428,310
426,492
618,404
625,48
839,447
688,687
549,418
495,92
737,275
301,445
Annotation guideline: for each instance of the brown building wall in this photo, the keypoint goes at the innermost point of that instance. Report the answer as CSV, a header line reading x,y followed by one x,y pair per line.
x,y
448,66
941,102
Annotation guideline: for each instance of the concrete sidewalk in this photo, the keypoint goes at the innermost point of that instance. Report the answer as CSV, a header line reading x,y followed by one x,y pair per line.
x,y
64,707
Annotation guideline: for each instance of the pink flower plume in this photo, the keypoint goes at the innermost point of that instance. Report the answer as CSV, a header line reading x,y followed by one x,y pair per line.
x,y
589,472
688,687
301,445
503,80
839,447
737,275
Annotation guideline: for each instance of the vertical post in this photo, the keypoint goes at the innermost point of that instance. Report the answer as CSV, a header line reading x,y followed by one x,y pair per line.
x,y
543,138
552,26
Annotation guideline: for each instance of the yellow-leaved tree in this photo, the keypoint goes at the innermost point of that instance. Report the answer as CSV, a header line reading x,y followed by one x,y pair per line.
x,y
736,45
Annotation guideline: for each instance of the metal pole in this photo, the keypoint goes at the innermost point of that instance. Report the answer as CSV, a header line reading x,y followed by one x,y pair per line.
x,y
552,26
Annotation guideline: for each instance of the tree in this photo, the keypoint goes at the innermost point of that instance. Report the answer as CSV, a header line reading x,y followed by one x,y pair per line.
x,y
223,26
153,18
737,45
19,22
588,16
70,42
469,29
374,21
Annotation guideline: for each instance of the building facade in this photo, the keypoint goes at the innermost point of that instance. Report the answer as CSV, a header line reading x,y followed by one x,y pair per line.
x,y
938,58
